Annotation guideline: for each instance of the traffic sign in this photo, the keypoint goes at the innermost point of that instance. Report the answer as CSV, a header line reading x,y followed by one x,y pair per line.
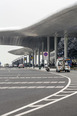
x,y
45,54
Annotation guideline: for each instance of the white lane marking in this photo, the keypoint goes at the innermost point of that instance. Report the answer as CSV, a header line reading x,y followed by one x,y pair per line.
x,y
36,105
21,108
27,77
39,82
50,99
67,91
72,89
50,87
7,80
17,77
59,86
54,82
61,82
60,95
73,86
41,106
58,77
46,82
29,87
40,86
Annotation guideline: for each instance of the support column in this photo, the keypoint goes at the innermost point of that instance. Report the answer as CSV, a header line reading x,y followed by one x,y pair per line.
x,y
55,47
23,60
48,49
65,45
26,60
33,58
29,60
42,53
38,57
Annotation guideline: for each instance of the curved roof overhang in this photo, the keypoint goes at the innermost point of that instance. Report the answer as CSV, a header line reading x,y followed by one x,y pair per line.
x,y
65,20
22,51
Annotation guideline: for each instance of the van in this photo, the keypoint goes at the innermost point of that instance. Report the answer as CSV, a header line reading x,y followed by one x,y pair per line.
x,y
62,65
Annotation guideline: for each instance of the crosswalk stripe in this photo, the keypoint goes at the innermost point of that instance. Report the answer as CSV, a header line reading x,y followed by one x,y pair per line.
x,y
26,82
18,77
28,87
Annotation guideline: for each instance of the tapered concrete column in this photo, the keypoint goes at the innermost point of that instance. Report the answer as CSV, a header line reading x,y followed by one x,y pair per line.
x,y
55,47
33,58
23,60
29,59
48,49
26,60
65,45
38,57
42,53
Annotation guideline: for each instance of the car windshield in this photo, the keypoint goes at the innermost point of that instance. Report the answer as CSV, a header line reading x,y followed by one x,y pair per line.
x,y
66,63
60,63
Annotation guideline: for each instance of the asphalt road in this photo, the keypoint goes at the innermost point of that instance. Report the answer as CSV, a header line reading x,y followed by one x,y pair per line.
x,y
28,92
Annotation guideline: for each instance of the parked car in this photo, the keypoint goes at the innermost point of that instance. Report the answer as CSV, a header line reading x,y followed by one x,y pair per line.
x,y
21,66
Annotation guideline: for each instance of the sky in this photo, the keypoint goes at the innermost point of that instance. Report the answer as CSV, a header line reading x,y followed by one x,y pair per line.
x,y
17,14
6,57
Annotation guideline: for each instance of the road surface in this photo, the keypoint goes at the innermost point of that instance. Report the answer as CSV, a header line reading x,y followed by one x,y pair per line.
x,y
29,92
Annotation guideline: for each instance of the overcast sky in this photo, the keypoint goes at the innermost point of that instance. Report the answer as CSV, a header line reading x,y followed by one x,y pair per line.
x,y
16,14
